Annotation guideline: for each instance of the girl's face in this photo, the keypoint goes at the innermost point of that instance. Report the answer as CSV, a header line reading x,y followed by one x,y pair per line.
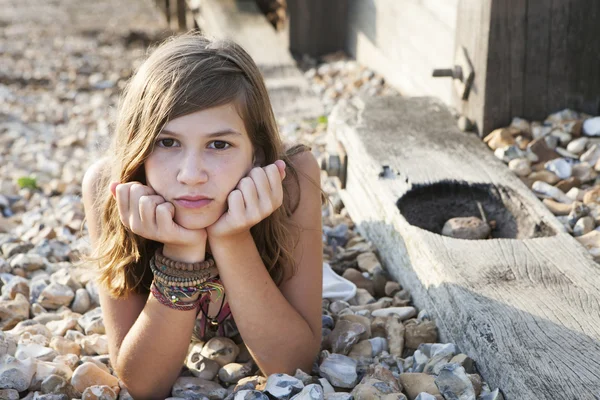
x,y
203,154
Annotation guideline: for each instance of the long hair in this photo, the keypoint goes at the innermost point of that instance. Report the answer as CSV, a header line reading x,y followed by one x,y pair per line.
x,y
183,75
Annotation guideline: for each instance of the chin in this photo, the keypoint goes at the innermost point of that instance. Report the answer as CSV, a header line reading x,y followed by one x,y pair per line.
x,y
195,221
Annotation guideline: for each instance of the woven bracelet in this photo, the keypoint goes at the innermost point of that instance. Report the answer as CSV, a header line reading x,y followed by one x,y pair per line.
x,y
173,304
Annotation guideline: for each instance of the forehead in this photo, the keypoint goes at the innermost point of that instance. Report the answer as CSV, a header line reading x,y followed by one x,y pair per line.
x,y
207,121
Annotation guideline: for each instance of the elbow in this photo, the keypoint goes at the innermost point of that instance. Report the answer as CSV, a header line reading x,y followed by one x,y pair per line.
x,y
140,389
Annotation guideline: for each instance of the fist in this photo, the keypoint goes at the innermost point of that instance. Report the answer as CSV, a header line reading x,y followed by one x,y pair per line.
x,y
149,215
255,197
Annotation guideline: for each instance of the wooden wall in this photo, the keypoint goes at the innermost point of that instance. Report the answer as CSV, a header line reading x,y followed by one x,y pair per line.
x,y
531,57
405,40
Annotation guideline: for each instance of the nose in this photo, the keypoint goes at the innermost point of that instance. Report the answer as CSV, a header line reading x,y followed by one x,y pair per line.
x,y
192,170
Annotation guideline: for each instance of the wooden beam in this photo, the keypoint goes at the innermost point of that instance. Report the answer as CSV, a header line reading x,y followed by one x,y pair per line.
x,y
526,308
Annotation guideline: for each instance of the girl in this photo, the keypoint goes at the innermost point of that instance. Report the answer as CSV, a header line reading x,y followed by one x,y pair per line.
x,y
198,212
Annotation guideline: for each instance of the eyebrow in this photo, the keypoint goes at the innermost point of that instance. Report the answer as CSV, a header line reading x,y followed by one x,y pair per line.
x,y
224,132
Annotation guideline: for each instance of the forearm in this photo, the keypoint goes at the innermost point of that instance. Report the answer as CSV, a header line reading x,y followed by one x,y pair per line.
x,y
153,351
279,338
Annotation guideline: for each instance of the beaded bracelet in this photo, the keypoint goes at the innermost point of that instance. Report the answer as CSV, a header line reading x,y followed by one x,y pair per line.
x,y
183,266
189,280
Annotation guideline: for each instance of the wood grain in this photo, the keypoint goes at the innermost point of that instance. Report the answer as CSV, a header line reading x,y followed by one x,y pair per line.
x,y
527,311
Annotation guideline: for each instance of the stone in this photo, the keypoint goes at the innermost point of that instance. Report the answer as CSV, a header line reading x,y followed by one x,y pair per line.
x,y
233,372
99,392
13,311
499,138
465,361
395,334
495,395
557,208
584,172
560,167
368,262
364,321
391,288
62,326
35,351
547,190
88,374
418,333
454,383
339,370
56,295
28,262
520,166
592,155
220,349
283,386
250,395
362,297
544,176
416,383
540,148
9,394
65,346
584,225
592,196
359,280
310,392
200,366
92,322
576,194
362,349
345,335
510,153
94,344
577,146
81,302
193,388
567,184
403,312
591,126
44,369
470,228
371,389
16,374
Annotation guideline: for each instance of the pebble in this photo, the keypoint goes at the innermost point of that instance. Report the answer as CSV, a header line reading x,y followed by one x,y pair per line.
x,y
591,126
470,228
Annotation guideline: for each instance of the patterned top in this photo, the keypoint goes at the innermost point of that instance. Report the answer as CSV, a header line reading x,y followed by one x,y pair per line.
x,y
205,330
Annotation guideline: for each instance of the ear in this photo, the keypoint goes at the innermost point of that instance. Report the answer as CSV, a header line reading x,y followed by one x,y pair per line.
x,y
259,158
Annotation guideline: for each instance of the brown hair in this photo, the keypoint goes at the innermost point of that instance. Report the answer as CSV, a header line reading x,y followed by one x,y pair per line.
x,y
185,74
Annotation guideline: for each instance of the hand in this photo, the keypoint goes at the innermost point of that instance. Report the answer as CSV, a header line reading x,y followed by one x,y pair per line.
x,y
255,197
149,215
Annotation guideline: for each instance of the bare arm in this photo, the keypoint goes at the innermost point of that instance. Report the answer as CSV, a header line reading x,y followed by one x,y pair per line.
x,y
280,326
148,341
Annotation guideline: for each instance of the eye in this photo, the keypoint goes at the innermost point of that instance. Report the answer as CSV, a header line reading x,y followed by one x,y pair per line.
x,y
166,142
220,145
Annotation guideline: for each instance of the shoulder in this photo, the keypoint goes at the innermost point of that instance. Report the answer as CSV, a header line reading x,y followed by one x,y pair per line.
x,y
94,175
304,182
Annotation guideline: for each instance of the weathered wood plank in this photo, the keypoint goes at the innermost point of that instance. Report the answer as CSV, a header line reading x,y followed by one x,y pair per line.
x,y
527,310
531,58
404,40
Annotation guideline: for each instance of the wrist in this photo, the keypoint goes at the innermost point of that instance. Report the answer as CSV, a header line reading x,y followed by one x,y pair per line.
x,y
185,254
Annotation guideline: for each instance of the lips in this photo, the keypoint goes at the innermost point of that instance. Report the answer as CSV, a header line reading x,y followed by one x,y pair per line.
x,y
193,198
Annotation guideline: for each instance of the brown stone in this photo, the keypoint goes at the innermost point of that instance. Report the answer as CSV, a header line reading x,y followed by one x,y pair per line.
x,y
557,208
499,138
415,383
415,334
359,280
544,176
592,196
567,184
541,149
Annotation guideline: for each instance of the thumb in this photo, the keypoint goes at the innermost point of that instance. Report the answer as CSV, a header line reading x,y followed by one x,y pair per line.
x,y
281,166
113,188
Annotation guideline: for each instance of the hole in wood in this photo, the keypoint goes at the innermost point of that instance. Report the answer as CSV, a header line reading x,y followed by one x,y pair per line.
x,y
430,206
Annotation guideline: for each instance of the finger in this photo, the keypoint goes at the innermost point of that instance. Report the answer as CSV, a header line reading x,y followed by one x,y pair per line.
x,y
237,208
136,191
147,209
122,197
165,212
274,177
263,187
281,166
